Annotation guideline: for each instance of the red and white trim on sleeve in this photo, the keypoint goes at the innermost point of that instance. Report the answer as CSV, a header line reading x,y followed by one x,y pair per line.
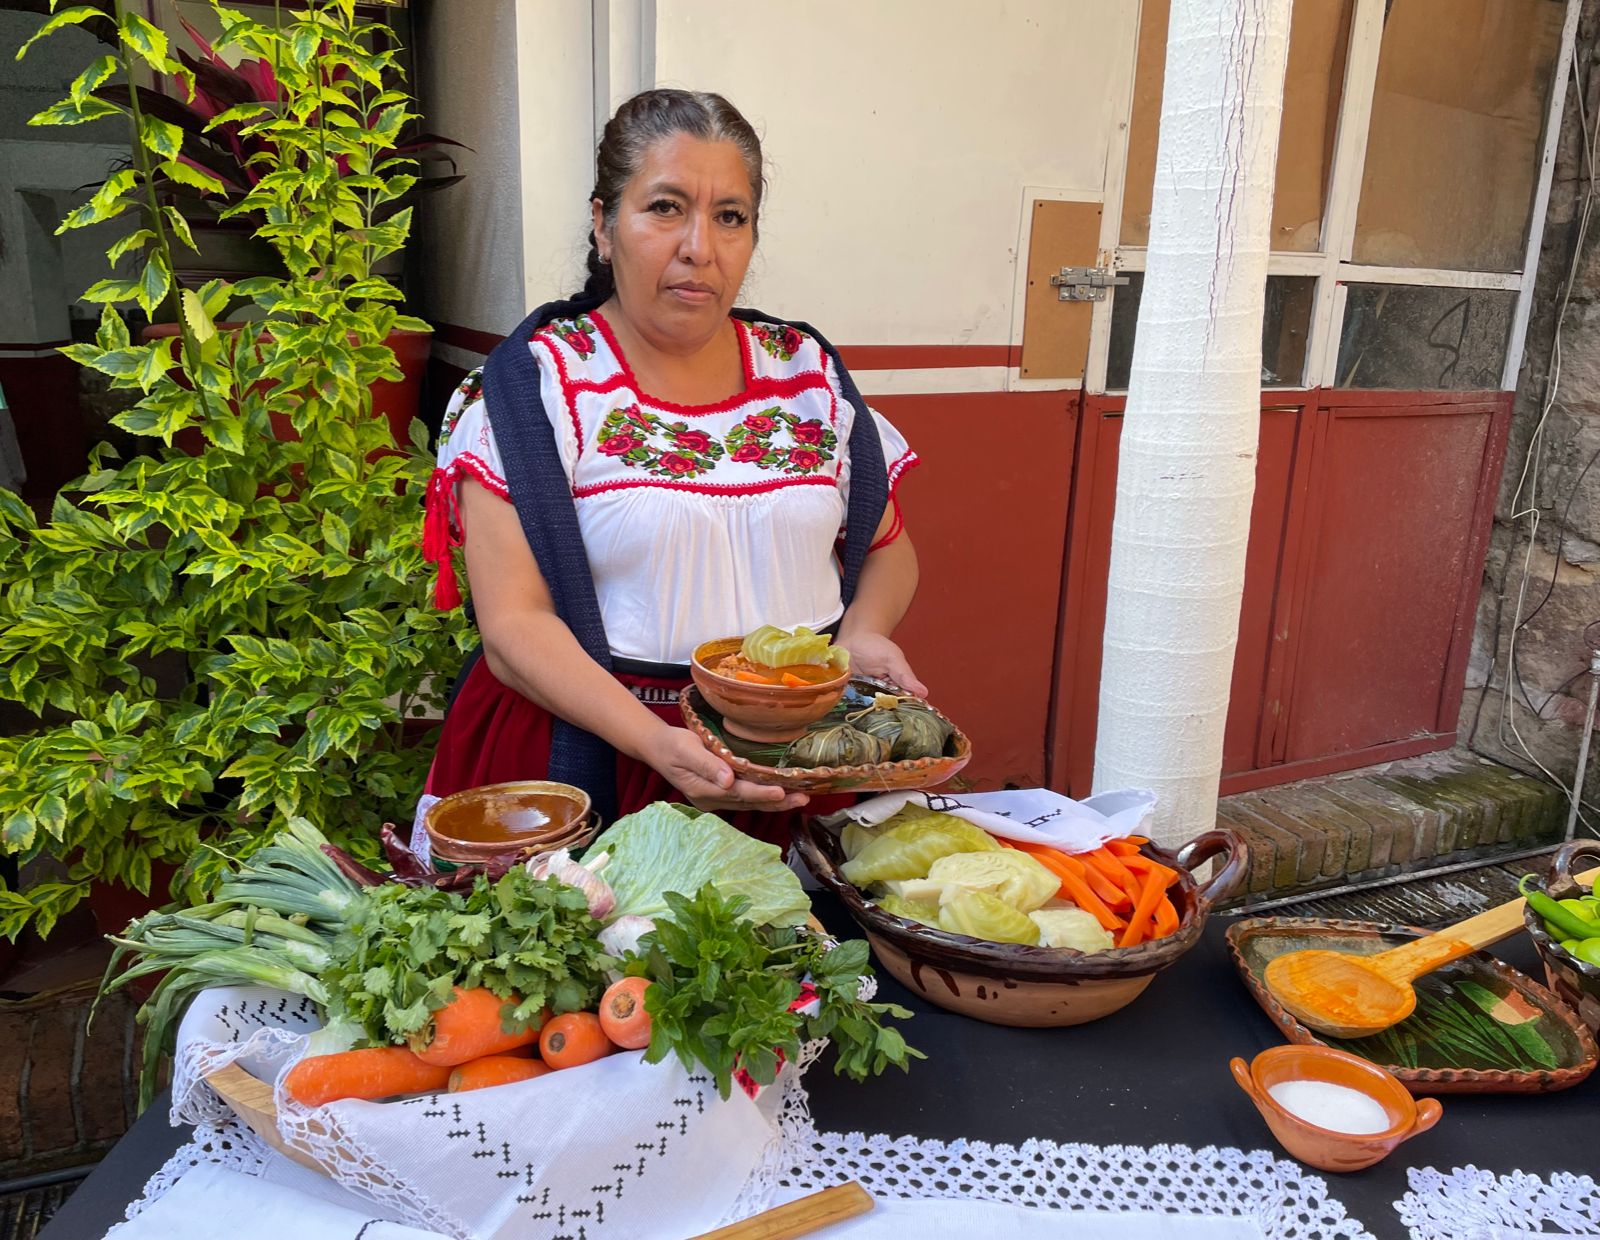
x,y
442,528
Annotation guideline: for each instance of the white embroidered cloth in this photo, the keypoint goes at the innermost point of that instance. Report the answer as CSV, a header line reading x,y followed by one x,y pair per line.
x,y
1030,815
1469,1204
670,1171
615,1140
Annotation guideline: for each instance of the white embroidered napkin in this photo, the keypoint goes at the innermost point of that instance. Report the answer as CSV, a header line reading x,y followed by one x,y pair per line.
x,y
1030,815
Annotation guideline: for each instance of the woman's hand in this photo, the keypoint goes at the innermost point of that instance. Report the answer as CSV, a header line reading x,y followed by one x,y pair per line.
x,y
706,780
874,655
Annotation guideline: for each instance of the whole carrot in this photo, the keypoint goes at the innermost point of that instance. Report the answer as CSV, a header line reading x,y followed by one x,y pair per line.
x,y
380,1072
468,1027
1138,927
495,1070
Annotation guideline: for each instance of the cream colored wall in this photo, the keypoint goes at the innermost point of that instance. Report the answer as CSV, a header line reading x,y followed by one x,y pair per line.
x,y
900,135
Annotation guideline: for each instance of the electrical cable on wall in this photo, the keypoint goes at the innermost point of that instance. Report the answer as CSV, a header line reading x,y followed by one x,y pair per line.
x,y
1528,483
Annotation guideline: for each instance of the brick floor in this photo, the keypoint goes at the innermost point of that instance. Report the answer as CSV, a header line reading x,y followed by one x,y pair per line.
x,y
1383,821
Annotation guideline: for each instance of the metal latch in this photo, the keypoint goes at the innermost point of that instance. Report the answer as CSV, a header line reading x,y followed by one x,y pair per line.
x,y
1085,283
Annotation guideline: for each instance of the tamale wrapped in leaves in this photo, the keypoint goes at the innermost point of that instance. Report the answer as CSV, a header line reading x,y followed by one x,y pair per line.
x,y
912,730
838,744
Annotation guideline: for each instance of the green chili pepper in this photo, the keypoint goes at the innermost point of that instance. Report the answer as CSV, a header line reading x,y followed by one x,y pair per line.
x,y
1561,922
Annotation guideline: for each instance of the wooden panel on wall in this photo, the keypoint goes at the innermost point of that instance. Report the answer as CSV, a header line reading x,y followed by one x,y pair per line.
x,y
1318,37
987,509
1055,333
1398,491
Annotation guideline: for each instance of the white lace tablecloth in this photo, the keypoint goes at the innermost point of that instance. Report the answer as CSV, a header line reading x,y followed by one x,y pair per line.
x,y
1469,1204
1144,1193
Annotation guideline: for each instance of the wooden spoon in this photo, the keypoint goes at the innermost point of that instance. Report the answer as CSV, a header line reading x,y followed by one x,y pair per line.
x,y
1351,996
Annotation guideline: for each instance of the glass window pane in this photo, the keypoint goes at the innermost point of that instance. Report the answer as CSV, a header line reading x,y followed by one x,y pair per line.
x,y
1453,152
1284,330
1318,35
1423,339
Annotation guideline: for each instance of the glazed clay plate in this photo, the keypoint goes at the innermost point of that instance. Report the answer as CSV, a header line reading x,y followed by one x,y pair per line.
x,y
759,763
1480,1026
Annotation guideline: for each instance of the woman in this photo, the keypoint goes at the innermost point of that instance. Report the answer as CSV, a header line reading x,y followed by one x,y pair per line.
x,y
642,469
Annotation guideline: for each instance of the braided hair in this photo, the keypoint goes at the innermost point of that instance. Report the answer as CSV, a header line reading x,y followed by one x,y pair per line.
x,y
643,120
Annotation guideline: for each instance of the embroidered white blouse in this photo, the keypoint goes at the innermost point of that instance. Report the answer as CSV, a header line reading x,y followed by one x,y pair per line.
x,y
699,521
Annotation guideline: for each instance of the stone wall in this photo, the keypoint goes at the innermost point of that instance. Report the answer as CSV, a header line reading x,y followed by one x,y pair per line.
x,y
1561,593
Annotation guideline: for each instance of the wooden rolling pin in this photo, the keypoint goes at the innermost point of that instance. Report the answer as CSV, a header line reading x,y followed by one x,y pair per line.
x,y
801,1217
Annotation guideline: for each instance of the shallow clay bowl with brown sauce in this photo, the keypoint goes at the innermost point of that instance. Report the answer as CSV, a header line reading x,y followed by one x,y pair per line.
x,y
534,815
767,713
1014,984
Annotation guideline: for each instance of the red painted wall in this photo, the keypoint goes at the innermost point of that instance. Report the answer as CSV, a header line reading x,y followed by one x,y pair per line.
x,y
1367,540
987,509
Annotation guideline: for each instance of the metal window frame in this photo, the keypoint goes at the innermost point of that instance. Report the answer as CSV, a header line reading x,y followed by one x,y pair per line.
x,y
1332,263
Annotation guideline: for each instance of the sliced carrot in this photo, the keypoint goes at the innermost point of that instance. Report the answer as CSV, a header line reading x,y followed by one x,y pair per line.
x,y
1166,918
1122,848
495,1070
1139,924
1074,888
793,681
469,1027
378,1072
754,678
1107,888
1110,863
1143,865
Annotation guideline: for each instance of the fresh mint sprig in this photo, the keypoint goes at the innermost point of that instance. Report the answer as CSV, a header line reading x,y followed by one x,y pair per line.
x,y
723,989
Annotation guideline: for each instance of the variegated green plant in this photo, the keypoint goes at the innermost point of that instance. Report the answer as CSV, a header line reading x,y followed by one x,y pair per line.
x,y
280,572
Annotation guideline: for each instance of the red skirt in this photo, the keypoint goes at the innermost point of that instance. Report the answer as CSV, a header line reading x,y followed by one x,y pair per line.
x,y
494,735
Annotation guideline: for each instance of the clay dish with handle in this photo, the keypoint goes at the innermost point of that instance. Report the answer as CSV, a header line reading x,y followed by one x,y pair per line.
x,y
769,714
1326,1148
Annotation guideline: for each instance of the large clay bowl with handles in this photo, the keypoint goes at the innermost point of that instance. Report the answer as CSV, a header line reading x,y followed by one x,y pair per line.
x,y
1014,984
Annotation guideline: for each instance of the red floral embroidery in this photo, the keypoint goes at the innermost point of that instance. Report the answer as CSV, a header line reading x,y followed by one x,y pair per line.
x,y
751,441
578,334
781,342
631,435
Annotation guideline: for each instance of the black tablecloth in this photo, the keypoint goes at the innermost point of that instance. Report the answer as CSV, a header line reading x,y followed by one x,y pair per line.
x,y
1155,1072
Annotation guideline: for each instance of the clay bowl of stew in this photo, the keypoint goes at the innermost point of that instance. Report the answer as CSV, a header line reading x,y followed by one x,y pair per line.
x,y
769,714
531,816
1015,984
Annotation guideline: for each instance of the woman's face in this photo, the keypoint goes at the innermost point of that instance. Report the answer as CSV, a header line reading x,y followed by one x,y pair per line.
x,y
682,240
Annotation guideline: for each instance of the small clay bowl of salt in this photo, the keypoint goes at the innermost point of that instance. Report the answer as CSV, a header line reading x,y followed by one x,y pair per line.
x,y
1330,1109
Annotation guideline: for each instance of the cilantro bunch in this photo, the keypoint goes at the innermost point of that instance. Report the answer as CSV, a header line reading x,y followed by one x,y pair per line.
x,y
403,951
723,989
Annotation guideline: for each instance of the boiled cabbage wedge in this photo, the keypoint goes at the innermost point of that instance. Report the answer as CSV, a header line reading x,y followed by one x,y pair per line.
x,y
1013,877
925,911
774,647
909,849
980,915
1071,927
